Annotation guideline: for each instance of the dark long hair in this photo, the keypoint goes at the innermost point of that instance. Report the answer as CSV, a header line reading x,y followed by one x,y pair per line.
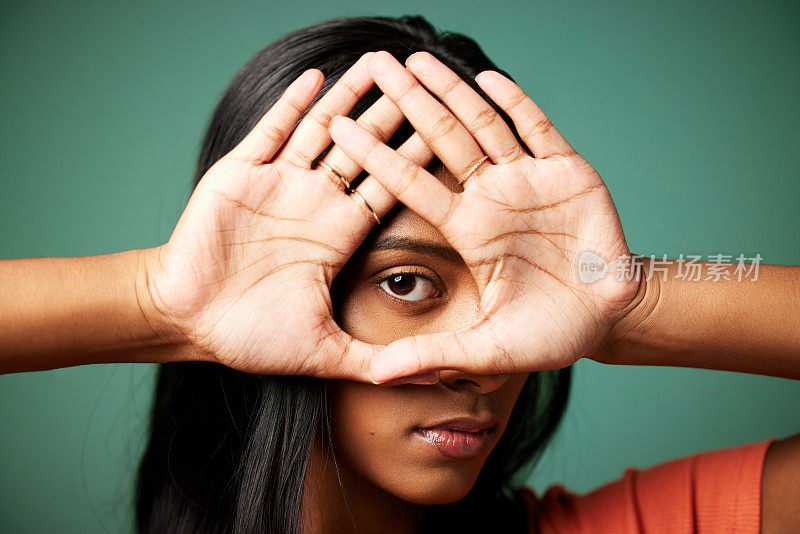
x,y
228,451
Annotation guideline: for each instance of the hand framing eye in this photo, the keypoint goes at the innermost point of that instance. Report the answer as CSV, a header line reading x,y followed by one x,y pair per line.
x,y
520,224
247,271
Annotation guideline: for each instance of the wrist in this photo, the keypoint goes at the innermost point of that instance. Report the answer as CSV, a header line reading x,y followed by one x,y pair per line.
x,y
632,318
166,330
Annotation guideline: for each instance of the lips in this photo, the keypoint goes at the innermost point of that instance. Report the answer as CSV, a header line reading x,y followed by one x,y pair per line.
x,y
459,438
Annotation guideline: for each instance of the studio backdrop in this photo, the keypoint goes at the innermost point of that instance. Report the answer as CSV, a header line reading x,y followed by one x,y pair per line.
x,y
688,110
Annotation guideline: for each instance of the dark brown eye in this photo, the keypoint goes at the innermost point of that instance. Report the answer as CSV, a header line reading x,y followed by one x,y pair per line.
x,y
408,286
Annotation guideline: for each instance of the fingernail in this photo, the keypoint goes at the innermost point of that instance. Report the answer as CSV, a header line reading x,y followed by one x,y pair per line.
x,y
385,367
489,73
419,64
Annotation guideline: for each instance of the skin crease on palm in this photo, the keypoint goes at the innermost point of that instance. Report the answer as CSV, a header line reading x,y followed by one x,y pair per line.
x,y
387,472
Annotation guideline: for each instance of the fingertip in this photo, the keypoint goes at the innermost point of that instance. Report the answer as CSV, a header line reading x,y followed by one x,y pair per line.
x,y
347,129
367,56
378,63
415,58
375,382
482,76
337,122
384,367
420,62
310,80
377,374
314,73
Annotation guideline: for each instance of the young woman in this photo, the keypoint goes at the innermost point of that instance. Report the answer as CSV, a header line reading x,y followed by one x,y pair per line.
x,y
336,362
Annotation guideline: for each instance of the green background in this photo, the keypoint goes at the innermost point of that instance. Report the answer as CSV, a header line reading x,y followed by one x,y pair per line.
x,y
688,110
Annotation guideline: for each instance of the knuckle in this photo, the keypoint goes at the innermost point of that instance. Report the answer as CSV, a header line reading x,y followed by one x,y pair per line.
x,y
299,159
512,153
442,126
454,83
295,106
517,99
416,150
321,116
375,126
408,172
271,134
448,215
371,151
484,118
541,125
405,89
354,94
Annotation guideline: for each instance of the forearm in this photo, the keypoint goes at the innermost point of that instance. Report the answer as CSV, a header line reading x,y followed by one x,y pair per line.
x,y
60,312
751,326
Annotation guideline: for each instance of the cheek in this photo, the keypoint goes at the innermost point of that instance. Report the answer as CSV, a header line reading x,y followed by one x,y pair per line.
x,y
369,421
372,434
365,317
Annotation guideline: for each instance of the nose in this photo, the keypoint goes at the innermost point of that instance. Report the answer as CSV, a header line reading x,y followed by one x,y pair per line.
x,y
482,384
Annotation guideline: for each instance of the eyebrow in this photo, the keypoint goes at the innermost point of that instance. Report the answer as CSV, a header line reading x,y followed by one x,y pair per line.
x,y
422,247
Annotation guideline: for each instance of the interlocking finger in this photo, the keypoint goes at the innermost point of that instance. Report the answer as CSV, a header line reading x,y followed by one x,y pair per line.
x,y
311,136
447,137
382,119
478,117
406,180
374,194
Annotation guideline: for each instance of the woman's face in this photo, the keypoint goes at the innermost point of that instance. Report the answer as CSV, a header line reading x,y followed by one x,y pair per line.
x,y
412,282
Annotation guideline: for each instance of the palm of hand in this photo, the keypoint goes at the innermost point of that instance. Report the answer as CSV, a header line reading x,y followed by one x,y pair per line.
x,y
250,242
521,227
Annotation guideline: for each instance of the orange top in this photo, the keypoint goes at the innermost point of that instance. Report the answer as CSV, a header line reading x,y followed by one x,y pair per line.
x,y
709,492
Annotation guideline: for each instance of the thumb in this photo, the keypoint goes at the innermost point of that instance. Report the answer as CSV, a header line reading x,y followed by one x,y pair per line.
x,y
345,357
474,349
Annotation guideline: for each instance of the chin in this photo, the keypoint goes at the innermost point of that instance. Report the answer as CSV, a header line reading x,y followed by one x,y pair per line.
x,y
435,485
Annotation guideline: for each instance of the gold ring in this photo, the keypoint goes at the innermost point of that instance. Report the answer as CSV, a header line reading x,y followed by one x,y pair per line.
x,y
472,169
334,171
371,211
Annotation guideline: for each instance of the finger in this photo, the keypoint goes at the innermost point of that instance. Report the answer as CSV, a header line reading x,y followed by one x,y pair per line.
x,y
532,124
375,195
370,196
472,349
446,136
271,131
311,135
347,357
412,185
381,119
479,118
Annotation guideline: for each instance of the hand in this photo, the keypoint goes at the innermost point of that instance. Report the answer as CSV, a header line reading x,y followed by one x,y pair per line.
x,y
246,274
520,224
